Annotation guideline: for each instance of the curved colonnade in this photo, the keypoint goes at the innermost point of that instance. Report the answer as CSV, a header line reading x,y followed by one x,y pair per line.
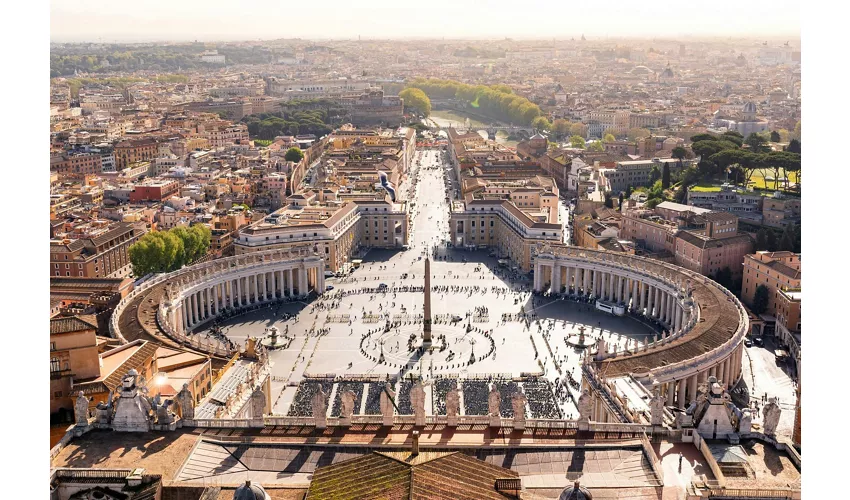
x,y
171,305
705,323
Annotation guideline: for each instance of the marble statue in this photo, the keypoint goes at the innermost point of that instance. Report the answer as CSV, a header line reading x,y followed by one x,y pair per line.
x,y
320,408
601,348
585,405
132,409
656,408
185,403
452,406
745,425
518,401
347,406
494,400
771,412
164,415
417,402
387,407
81,409
258,403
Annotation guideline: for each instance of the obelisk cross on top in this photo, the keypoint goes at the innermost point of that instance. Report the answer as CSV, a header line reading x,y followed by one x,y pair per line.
x,y
426,330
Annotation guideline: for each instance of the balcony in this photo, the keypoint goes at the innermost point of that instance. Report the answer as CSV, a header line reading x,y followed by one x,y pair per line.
x,y
57,374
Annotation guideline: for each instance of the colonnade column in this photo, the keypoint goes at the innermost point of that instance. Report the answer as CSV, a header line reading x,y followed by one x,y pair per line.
x,y
291,273
633,302
681,398
692,391
656,302
556,278
302,281
184,321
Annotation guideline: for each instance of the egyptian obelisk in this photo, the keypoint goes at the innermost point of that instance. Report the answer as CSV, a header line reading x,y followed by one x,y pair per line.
x,y
426,331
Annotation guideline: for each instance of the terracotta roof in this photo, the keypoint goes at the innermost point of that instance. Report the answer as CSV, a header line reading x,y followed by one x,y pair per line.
x,y
703,242
398,475
72,324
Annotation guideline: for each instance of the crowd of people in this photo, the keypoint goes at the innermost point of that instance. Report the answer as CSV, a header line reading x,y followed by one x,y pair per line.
x,y
302,404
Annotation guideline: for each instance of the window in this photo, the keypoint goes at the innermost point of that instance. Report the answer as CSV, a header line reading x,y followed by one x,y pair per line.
x,y
68,273
56,266
54,365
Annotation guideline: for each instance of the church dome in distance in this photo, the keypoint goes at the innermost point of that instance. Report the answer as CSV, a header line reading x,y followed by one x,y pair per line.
x,y
250,491
575,492
749,107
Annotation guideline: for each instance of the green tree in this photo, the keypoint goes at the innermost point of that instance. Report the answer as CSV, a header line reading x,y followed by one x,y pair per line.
x,y
608,138
609,201
654,173
724,278
293,154
761,240
786,242
679,153
760,299
732,136
156,252
541,124
637,133
612,132
775,137
578,129
577,141
793,146
797,132
771,241
757,143
416,100
596,146
561,128
665,176
622,197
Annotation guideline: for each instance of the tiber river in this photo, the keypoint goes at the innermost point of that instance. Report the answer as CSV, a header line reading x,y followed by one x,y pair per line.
x,y
446,118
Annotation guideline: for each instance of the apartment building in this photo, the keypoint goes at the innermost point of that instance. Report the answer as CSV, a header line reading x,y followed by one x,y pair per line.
x,y
696,238
788,305
96,249
73,354
134,150
336,229
77,165
154,190
776,210
499,223
775,270
637,173
222,136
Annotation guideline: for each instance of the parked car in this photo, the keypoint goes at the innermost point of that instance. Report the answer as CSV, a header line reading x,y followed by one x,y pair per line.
x,y
758,341
329,288
748,342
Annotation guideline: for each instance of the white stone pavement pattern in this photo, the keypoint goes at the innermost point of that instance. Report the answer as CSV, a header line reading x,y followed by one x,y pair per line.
x,y
338,351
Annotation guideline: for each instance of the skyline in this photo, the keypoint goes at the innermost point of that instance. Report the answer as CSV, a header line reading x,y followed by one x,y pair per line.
x,y
96,21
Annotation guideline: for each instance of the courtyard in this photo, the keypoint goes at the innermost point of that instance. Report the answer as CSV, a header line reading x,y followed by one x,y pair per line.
x,y
487,325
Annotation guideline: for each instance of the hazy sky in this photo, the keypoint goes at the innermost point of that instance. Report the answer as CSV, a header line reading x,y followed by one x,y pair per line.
x,y
208,20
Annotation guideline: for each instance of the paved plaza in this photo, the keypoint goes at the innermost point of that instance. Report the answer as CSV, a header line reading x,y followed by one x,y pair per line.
x,y
370,323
